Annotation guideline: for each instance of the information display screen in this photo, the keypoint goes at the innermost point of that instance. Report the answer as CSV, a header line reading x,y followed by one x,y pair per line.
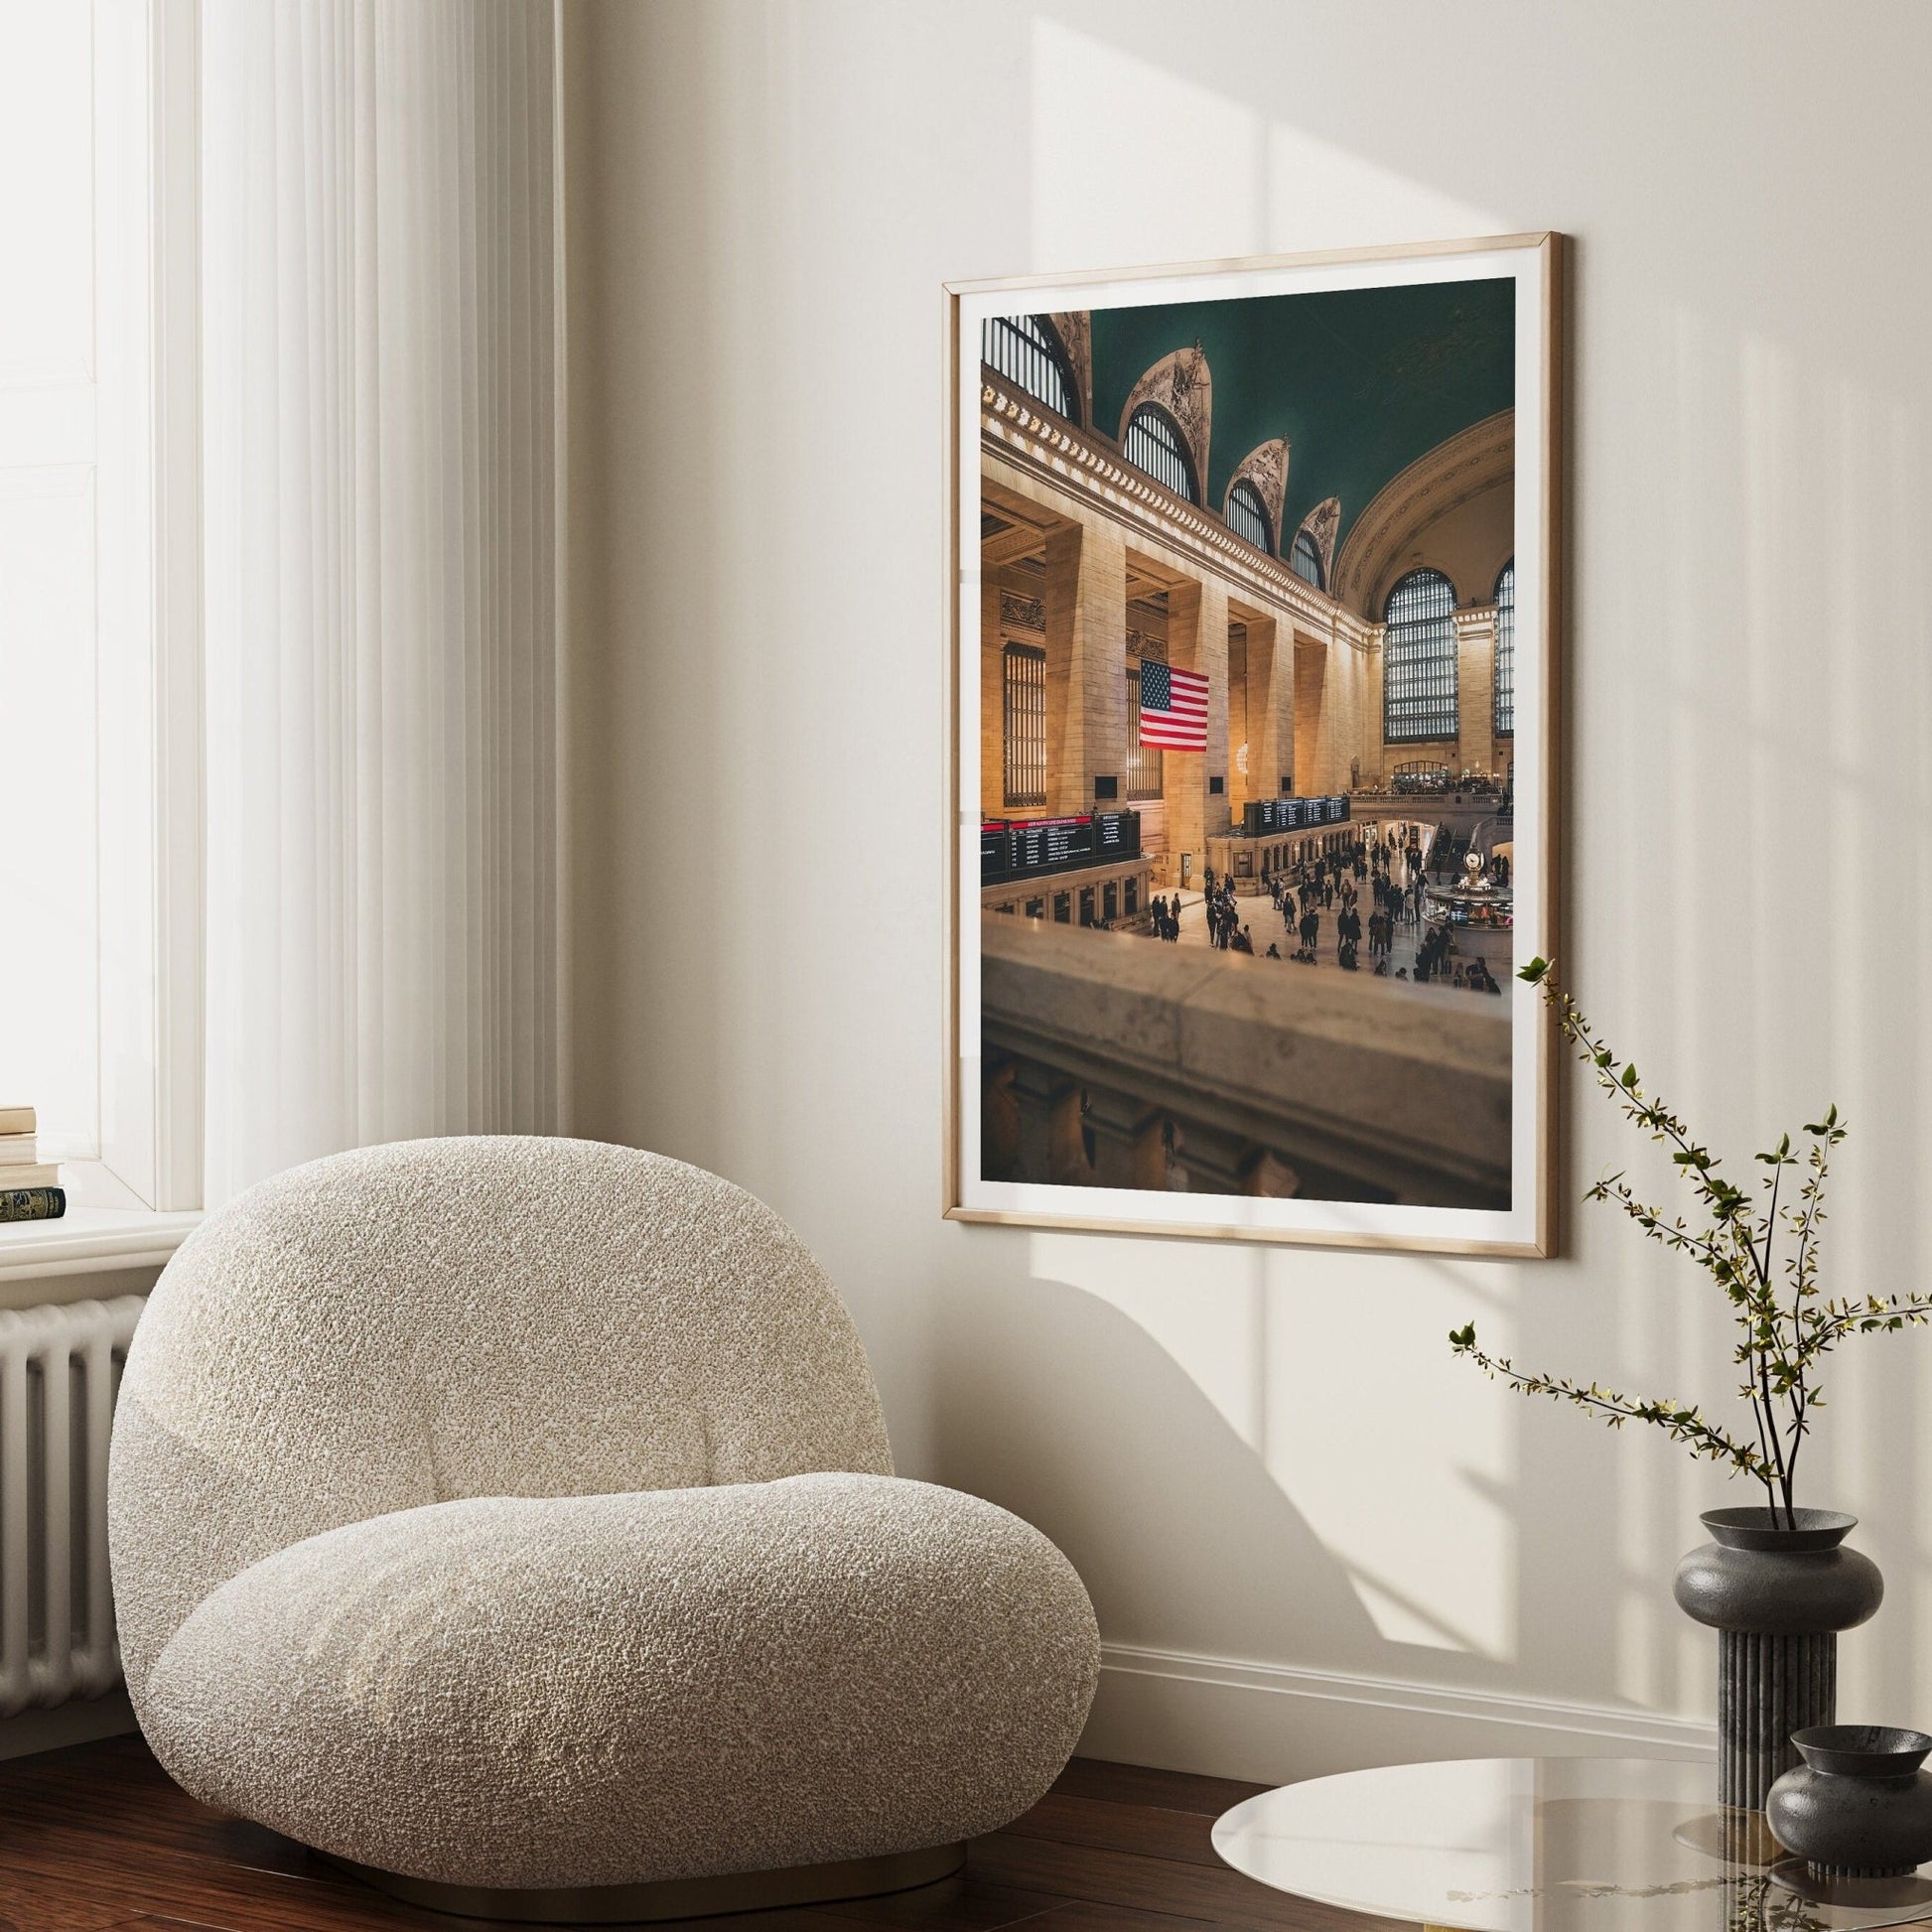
x,y
1275,815
1025,848
1263,815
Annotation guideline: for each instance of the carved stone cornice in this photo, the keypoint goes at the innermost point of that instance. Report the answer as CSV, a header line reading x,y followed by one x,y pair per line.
x,y
1319,526
1465,466
1094,475
1266,467
1184,385
1476,620
1075,330
1022,613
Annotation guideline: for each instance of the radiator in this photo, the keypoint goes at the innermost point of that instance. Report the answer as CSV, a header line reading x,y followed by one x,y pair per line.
x,y
59,1370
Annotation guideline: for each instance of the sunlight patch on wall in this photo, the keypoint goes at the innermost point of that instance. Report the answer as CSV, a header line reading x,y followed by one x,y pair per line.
x,y
1134,165
1319,196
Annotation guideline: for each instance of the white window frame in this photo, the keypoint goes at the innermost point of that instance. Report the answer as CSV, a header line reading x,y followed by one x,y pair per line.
x,y
132,1204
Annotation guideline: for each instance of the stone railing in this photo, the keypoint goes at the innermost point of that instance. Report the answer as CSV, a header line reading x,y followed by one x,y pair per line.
x,y
1112,1060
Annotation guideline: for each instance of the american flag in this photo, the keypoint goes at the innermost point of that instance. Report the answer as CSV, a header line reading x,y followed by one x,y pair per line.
x,y
1174,708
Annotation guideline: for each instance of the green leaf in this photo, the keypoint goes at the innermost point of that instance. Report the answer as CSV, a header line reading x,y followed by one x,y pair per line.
x,y
1533,973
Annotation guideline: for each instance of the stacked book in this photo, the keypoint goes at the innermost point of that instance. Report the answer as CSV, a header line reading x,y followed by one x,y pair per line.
x,y
30,1188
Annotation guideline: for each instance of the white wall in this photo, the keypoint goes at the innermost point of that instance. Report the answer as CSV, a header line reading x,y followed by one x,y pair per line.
x,y
1334,1541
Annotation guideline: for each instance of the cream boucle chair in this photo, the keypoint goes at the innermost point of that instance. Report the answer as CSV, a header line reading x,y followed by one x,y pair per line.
x,y
514,1519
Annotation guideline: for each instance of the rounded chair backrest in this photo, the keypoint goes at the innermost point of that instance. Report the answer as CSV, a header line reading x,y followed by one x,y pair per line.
x,y
486,1317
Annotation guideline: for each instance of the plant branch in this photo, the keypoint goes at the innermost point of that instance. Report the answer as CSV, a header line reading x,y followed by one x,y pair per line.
x,y
1682,1423
1785,1329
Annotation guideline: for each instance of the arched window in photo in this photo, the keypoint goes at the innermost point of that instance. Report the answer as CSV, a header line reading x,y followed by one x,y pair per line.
x,y
1154,443
1026,350
1506,651
1247,516
1144,773
1419,660
1305,560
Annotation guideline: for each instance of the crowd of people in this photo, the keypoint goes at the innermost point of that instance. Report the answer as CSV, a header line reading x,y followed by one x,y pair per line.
x,y
1386,874
1386,870
1225,931
1166,917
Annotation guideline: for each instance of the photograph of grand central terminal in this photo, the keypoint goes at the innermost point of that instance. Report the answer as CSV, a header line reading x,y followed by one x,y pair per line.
x,y
1247,715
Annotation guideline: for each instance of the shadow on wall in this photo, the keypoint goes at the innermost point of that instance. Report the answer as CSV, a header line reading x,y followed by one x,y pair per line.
x,y
1084,1423
1165,1466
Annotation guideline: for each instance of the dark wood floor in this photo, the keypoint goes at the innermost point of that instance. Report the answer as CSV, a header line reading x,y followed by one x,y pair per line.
x,y
98,1837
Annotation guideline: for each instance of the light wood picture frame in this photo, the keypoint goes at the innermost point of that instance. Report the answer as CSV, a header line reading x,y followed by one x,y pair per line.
x,y
1254,590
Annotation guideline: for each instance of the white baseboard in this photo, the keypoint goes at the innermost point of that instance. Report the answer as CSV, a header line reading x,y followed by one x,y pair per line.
x,y
1223,1717
1274,1724
78,1722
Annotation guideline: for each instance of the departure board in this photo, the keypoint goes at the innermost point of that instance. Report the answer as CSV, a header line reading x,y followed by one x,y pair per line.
x,y
1024,848
1261,816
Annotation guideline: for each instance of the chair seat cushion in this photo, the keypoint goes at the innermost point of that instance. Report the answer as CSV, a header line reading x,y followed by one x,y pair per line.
x,y
612,1690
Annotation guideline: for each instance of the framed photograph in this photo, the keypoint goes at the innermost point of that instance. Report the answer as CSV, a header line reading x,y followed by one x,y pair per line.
x,y
1253,814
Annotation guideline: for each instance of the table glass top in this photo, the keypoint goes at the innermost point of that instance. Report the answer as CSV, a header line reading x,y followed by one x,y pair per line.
x,y
1547,1844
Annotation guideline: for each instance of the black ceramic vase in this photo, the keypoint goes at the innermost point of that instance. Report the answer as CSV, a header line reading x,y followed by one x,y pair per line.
x,y
1777,1588
1859,1806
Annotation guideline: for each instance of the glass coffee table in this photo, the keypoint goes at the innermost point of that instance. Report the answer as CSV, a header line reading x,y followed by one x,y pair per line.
x,y
1547,1844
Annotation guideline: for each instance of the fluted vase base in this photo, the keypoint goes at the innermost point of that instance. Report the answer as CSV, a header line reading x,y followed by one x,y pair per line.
x,y
1767,1688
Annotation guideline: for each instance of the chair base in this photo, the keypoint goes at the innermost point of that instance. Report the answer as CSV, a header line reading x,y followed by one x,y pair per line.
x,y
669,1898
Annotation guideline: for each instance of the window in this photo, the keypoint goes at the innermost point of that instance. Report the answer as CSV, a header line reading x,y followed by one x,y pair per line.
x,y
99,733
1028,352
1419,660
1154,443
1506,651
1143,760
1305,560
1026,725
1247,516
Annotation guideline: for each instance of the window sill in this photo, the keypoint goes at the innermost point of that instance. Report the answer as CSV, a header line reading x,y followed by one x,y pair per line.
x,y
92,1241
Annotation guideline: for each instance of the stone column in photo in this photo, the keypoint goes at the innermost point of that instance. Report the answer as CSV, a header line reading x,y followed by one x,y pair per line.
x,y
1475,687
1271,707
1085,600
1328,713
1241,762
1129,1150
1197,641
1376,762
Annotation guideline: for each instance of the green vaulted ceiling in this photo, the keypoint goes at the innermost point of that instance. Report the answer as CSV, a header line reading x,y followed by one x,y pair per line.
x,y
1362,381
